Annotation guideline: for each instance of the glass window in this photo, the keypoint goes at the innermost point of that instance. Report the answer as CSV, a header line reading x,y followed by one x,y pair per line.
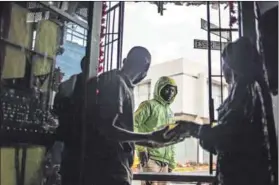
x,y
76,34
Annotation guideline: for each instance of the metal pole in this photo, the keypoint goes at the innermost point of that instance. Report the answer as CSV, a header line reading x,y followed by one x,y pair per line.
x,y
87,64
108,40
111,46
105,64
248,20
64,14
230,27
220,40
91,70
120,34
239,19
210,101
230,32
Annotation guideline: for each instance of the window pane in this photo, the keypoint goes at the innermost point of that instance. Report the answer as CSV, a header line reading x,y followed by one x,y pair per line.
x,y
74,51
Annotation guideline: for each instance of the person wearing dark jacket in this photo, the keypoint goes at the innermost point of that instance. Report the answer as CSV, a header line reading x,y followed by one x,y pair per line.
x,y
239,139
109,142
66,150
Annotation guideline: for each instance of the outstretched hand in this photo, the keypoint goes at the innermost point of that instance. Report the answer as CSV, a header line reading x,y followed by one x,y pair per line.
x,y
158,136
167,136
164,137
184,129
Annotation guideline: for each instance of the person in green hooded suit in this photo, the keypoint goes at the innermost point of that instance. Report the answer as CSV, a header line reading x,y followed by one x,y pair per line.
x,y
153,115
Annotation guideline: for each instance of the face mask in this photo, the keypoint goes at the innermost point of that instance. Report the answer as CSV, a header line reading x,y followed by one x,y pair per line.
x,y
168,92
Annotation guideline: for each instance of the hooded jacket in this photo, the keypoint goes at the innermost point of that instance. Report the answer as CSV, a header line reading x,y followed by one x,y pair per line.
x,y
153,115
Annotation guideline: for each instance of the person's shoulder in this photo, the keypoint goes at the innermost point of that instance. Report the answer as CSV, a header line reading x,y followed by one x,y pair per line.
x,y
106,78
69,80
154,102
151,103
66,88
110,77
145,104
110,83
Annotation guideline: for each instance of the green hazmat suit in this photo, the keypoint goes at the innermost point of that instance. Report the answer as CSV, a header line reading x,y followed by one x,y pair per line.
x,y
153,115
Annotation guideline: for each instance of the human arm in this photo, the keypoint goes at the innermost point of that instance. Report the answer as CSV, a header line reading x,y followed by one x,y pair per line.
x,y
219,137
111,98
234,123
114,132
222,136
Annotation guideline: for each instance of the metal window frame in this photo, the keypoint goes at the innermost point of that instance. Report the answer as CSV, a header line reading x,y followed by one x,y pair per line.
x,y
33,53
75,35
91,65
24,49
64,14
113,36
210,76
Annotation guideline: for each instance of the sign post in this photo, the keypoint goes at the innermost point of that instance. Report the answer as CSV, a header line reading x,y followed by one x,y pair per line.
x,y
223,34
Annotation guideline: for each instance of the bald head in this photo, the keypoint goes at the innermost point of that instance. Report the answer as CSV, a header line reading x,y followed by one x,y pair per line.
x,y
137,63
139,53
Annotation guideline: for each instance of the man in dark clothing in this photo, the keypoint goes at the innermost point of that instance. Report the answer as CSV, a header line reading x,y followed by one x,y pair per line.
x,y
111,149
268,28
69,91
67,105
241,139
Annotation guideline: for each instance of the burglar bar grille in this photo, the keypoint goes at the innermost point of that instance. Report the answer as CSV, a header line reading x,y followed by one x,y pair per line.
x,y
218,31
113,36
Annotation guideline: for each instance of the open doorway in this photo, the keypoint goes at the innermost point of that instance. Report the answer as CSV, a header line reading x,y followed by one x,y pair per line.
x,y
177,41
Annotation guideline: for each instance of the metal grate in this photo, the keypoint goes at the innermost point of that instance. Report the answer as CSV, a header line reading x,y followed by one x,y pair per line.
x,y
114,36
215,30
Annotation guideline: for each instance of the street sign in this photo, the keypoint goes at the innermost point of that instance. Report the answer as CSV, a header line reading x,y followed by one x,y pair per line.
x,y
203,44
224,34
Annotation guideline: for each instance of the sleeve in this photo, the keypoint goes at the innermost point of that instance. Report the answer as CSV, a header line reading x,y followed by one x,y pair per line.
x,y
235,123
207,144
140,117
172,164
110,99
